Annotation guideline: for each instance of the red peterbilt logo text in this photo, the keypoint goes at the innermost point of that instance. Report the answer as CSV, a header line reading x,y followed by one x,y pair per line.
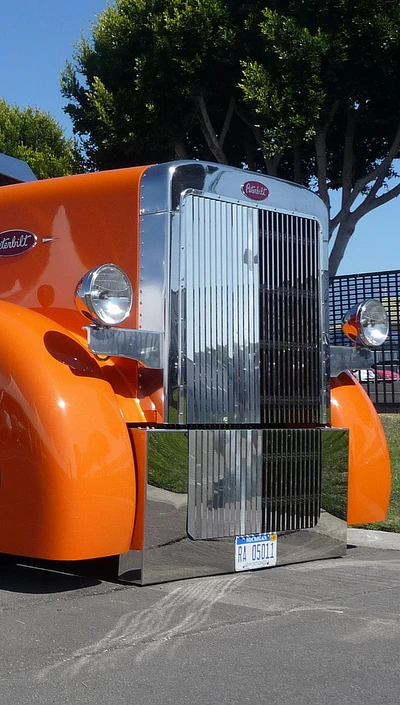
x,y
255,190
16,242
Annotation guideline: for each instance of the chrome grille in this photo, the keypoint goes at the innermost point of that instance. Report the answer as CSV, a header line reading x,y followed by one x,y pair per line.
x,y
249,346
243,482
290,322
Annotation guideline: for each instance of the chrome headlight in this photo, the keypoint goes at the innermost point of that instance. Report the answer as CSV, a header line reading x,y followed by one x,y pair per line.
x,y
367,324
105,295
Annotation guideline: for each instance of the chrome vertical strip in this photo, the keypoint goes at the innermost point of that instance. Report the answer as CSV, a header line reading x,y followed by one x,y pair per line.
x,y
152,268
316,489
317,324
289,459
324,318
292,495
290,295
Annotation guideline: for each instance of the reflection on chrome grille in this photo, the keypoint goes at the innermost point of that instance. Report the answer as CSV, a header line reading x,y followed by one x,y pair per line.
x,y
289,319
220,291
225,483
243,482
249,343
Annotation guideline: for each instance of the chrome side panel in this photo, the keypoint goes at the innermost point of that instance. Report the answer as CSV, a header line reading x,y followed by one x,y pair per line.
x,y
153,270
170,554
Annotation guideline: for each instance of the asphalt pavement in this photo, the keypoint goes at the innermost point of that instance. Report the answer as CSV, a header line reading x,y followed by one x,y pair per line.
x,y
325,632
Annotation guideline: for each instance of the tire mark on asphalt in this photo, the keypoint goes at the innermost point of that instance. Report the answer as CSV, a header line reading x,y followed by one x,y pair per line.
x,y
184,610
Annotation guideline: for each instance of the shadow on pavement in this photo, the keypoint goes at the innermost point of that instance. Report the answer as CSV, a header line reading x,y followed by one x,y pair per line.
x,y
46,577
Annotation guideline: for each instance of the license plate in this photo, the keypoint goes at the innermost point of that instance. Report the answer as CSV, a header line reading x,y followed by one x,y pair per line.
x,y
255,551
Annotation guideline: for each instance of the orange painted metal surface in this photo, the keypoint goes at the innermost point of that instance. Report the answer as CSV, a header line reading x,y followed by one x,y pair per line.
x,y
67,472
139,445
369,462
81,222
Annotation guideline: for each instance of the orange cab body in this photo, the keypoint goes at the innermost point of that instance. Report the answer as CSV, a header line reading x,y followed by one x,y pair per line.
x,y
68,470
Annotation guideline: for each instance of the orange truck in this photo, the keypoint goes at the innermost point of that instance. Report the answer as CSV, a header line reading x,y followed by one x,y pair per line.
x,y
168,394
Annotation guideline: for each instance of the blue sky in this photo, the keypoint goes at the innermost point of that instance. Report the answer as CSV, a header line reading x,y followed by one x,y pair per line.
x,y
38,38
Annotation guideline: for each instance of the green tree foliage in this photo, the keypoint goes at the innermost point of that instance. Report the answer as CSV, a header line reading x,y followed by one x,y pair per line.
x,y
304,89
37,138
148,68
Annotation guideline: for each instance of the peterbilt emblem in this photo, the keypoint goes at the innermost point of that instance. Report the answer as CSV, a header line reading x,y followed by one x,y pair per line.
x,y
255,190
16,242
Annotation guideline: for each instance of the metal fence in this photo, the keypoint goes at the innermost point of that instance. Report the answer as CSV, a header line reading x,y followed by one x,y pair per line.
x,y
382,382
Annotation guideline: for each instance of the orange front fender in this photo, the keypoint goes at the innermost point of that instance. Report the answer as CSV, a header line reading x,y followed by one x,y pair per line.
x,y
67,487
369,462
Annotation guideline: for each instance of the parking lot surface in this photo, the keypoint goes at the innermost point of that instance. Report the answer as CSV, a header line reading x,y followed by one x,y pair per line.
x,y
321,632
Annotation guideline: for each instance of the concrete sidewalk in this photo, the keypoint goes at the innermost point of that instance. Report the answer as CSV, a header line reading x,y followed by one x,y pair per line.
x,y
373,539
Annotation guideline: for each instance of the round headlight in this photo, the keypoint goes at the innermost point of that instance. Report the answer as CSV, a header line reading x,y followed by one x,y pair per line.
x,y
105,295
367,324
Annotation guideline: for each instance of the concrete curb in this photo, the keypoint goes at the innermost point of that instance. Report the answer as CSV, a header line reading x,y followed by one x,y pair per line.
x,y
373,539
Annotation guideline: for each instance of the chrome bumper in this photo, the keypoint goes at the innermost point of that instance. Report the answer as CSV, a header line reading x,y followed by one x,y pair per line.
x,y
205,487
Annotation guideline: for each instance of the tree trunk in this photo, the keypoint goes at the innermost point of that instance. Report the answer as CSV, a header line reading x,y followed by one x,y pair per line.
x,y
297,165
343,235
209,133
272,164
181,151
